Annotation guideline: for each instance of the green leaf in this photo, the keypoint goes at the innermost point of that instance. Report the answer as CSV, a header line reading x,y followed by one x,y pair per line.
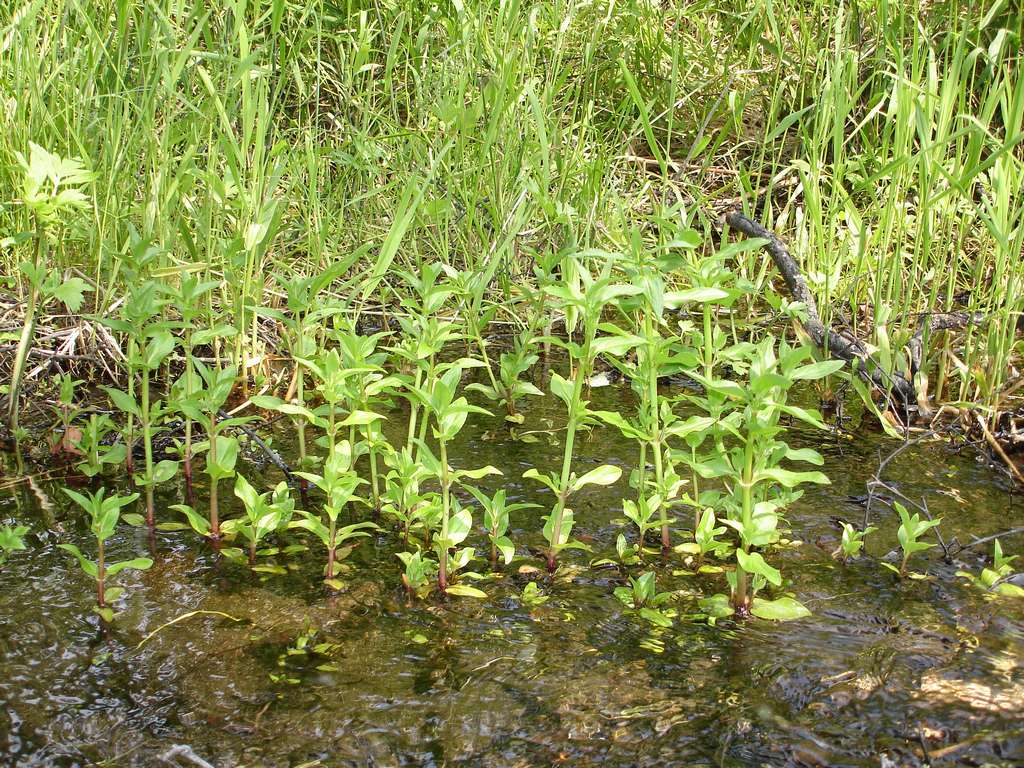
x,y
87,565
606,474
107,614
789,479
122,401
752,562
133,519
562,388
476,474
71,292
464,590
164,471
782,609
699,295
717,606
158,348
135,564
817,370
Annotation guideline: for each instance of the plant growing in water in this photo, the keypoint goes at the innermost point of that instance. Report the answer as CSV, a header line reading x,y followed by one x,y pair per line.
x,y
265,513
95,454
496,522
583,298
996,580
104,512
852,542
203,405
642,596
759,486
338,482
12,539
911,529
449,413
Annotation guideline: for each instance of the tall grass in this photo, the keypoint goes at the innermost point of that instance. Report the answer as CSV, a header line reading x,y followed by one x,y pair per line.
x,y
257,137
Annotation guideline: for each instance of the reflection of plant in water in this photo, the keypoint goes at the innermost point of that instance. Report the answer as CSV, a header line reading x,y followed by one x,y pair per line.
x,y
302,652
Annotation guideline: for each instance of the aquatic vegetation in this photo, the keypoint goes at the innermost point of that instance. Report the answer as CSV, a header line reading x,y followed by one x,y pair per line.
x,y
642,596
705,539
12,539
104,512
760,485
853,541
96,454
912,527
338,482
190,296
496,521
997,579
265,513
583,299
509,386
448,413
532,596
203,404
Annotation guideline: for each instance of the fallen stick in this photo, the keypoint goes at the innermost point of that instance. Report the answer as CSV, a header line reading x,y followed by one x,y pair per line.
x,y
842,347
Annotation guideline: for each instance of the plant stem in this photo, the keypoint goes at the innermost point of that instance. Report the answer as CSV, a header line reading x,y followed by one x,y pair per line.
x,y
741,600
570,437
147,443
214,519
25,341
442,573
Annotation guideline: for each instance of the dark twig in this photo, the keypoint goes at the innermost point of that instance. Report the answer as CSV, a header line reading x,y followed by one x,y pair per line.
x,y
271,454
877,482
846,348
987,539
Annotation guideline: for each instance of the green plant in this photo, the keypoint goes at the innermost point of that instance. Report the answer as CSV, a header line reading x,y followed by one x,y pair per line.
x,y
265,513
203,404
509,386
760,487
583,297
104,512
642,596
852,542
95,454
705,538
51,190
189,296
338,482
912,527
532,597
66,412
402,498
496,522
448,412
12,539
149,344
996,579
419,573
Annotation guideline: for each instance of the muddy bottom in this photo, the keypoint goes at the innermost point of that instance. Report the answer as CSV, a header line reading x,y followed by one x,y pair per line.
x,y
884,673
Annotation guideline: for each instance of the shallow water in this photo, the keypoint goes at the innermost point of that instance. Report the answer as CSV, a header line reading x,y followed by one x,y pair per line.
x,y
881,670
